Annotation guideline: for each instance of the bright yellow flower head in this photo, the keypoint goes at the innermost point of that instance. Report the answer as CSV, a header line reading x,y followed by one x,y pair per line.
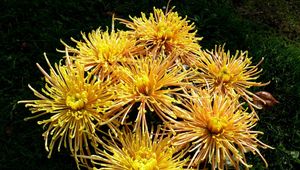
x,y
231,75
164,31
153,86
139,151
102,51
217,131
75,102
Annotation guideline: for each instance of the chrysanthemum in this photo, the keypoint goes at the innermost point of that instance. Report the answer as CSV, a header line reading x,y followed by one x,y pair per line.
x,y
231,75
139,151
217,131
153,86
101,50
72,103
164,31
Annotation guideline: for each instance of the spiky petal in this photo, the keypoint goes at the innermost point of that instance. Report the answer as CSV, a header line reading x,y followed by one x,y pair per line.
x,y
101,51
217,130
139,151
230,75
72,104
152,85
164,31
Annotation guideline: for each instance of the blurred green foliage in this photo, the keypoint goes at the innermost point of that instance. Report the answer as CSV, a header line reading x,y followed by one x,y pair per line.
x,y
281,15
268,29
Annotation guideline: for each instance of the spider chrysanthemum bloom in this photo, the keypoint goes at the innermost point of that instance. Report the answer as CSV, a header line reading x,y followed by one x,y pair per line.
x,y
101,50
152,85
139,151
231,75
72,103
217,131
164,31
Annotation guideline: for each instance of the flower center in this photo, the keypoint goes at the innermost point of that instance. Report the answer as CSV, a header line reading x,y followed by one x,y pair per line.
x,y
142,84
77,101
145,159
163,31
216,125
224,75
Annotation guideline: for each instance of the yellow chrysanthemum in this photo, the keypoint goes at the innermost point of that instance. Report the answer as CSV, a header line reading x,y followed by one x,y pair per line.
x,y
152,85
101,51
74,102
231,75
139,151
217,131
164,31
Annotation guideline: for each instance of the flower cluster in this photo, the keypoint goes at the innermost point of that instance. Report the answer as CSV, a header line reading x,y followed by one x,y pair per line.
x,y
150,98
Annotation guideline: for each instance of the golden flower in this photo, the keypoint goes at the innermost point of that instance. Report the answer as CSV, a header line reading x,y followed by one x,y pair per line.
x,y
218,130
152,85
139,151
101,51
166,32
74,102
231,75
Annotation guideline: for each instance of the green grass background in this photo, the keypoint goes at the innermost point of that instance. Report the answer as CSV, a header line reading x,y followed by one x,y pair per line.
x,y
269,29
